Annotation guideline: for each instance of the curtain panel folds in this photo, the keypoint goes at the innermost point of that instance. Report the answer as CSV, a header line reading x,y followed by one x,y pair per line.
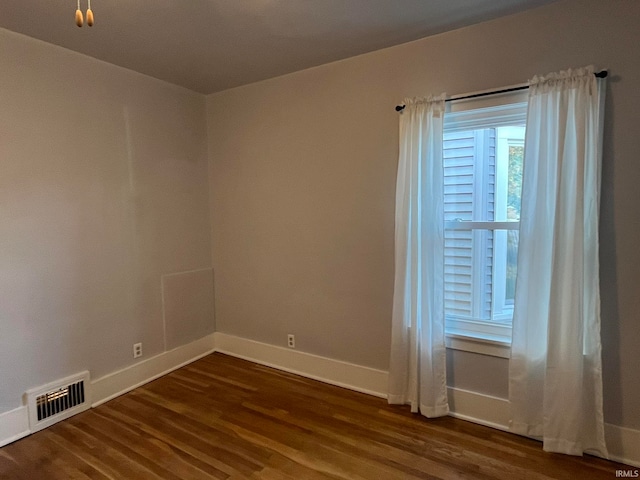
x,y
555,371
555,379
417,373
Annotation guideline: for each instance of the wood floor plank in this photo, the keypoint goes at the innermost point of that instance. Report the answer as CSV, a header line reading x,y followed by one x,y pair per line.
x,y
195,441
228,419
148,450
111,457
363,444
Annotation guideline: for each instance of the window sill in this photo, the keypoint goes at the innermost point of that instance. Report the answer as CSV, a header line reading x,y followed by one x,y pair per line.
x,y
485,345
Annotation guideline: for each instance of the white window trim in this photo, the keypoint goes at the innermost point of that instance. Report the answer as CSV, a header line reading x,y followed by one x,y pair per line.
x,y
472,225
494,348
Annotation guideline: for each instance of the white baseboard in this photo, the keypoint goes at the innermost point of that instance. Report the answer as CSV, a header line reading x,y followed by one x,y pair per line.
x,y
335,372
14,425
117,383
623,443
475,407
494,412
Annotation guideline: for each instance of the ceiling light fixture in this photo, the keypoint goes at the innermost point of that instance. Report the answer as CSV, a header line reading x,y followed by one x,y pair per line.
x,y
80,18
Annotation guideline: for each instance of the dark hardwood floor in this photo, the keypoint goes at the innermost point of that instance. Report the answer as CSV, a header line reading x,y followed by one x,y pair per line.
x,y
225,418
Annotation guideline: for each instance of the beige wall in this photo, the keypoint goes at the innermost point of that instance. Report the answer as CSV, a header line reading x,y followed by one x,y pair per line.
x,y
104,200
103,190
302,174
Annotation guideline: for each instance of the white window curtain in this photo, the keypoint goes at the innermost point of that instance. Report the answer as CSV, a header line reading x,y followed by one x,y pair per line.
x,y
417,373
555,383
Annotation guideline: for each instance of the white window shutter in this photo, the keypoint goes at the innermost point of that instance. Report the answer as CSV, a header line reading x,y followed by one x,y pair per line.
x,y
459,156
469,195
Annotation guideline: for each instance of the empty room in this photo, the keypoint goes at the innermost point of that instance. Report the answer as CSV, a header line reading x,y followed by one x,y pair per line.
x,y
319,239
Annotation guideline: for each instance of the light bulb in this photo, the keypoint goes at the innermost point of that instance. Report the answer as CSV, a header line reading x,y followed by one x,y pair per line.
x,y
79,19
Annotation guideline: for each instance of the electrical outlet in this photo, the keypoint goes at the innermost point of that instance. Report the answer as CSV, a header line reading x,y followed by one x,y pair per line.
x,y
137,350
291,341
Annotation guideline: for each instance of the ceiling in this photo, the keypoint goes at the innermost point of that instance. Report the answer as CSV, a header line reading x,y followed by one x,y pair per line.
x,y
212,45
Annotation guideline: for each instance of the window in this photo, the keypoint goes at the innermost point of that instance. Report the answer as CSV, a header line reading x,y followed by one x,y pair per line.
x,y
483,151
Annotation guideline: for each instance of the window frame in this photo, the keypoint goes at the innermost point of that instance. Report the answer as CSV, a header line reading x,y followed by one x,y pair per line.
x,y
504,110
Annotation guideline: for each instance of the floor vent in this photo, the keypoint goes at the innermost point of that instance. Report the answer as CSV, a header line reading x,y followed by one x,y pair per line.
x,y
58,400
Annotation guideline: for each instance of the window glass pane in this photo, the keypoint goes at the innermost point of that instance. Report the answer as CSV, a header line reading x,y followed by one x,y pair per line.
x,y
513,236
480,274
482,183
516,154
459,173
468,274
505,268
458,273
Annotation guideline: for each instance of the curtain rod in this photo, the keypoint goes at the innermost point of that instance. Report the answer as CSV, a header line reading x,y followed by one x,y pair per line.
x,y
399,108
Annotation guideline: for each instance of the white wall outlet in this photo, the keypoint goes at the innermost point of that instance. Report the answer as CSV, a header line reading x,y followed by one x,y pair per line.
x,y
291,341
137,350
